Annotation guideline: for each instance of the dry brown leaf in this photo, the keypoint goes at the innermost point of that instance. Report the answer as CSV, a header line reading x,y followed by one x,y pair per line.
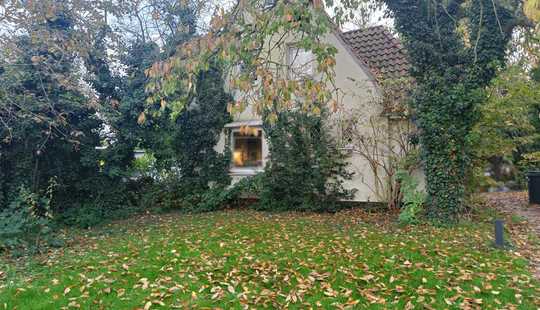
x,y
147,305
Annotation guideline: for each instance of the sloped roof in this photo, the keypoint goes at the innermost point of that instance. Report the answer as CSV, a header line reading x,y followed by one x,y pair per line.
x,y
380,51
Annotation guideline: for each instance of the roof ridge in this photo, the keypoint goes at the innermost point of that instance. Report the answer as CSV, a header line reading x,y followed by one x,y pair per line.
x,y
366,28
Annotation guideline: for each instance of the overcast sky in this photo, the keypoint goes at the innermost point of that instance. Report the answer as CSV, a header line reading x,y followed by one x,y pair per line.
x,y
376,19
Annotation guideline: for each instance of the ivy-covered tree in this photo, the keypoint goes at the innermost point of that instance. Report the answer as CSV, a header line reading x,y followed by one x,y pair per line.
x,y
455,48
145,27
197,132
49,129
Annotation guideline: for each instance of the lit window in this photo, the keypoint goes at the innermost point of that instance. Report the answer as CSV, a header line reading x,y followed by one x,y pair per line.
x,y
247,148
301,63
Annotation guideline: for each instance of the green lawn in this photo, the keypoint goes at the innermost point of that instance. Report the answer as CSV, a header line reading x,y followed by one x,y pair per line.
x,y
239,259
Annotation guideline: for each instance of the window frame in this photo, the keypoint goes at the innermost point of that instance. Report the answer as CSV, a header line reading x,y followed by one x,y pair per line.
x,y
252,170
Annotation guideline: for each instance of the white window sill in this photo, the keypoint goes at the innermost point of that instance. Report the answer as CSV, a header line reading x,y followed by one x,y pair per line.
x,y
237,171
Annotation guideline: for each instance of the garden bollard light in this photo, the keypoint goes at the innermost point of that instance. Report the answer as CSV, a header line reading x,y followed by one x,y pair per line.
x,y
499,233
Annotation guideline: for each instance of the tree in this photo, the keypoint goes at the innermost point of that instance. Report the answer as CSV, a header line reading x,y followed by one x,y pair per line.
x,y
181,142
197,131
455,48
144,33
506,128
121,100
49,129
240,40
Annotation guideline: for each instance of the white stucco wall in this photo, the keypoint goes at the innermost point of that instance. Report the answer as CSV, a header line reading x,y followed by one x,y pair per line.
x,y
359,95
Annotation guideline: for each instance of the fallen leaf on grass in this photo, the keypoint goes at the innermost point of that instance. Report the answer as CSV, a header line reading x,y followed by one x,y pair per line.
x,y
120,292
367,277
144,282
147,305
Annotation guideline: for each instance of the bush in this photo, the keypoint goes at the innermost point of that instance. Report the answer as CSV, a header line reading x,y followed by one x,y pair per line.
x,y
413,199
220,198
145,166
164,192
107,201
84,215
306,170
27,221
167,195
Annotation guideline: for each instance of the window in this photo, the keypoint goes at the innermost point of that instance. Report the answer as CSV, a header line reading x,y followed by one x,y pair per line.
x,y
247,148
300,62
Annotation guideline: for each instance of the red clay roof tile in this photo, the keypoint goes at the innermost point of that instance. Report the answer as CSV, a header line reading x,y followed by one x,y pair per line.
x,y
380,50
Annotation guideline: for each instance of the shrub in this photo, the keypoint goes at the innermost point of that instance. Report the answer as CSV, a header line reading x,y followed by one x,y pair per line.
x,y
219,197
106,201
413,199
26,222
145,166
306,170
84,215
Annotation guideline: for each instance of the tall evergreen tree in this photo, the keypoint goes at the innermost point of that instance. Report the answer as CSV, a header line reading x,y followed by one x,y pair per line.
x,y
50,129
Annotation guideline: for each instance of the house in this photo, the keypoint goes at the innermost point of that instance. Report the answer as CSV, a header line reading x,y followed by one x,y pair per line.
x,y
365,58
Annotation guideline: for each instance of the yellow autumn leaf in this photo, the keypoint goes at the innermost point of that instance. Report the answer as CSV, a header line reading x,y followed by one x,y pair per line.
x,y
531,8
